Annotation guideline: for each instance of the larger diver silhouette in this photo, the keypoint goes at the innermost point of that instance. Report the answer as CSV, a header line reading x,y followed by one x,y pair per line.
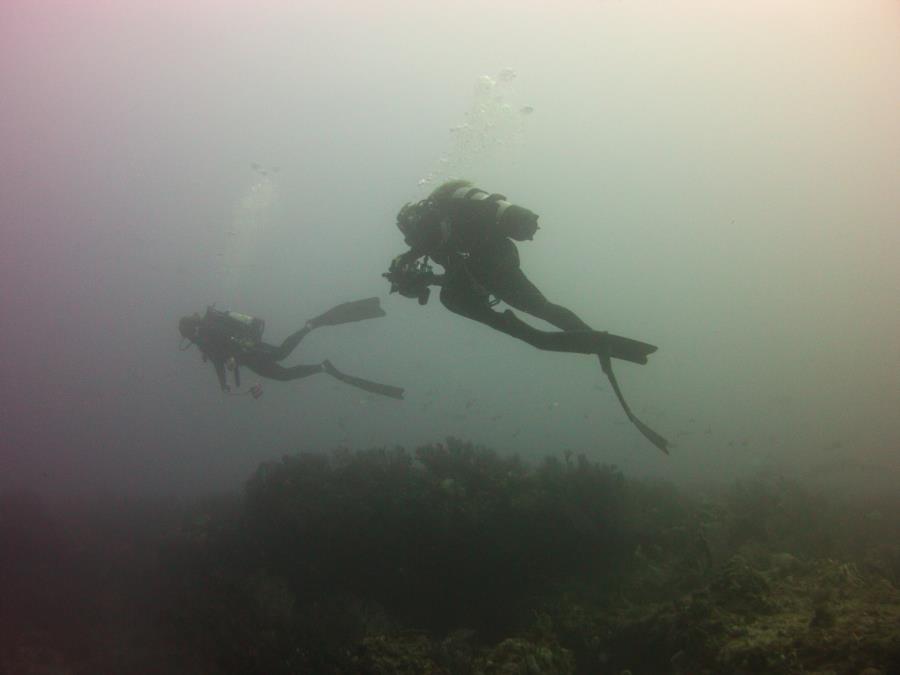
x,y
470,234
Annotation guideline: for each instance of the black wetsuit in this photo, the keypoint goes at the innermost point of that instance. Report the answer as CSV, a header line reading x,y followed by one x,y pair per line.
x,y
480,261
218,345
495,268
263,359
221,340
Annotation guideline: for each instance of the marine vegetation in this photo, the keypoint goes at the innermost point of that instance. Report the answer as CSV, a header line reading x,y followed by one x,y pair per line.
x,y
454,560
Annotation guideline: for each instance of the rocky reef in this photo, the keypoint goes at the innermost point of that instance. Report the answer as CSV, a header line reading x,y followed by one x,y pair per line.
x,y
453,560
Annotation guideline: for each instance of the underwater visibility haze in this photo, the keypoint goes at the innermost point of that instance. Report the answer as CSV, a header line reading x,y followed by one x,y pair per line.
x,y
719,180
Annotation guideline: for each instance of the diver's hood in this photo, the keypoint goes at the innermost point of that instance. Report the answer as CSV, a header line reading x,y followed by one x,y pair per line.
x,y
412,217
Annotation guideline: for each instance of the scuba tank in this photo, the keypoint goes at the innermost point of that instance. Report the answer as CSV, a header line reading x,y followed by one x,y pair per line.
x,y
511,220
241,330
250,327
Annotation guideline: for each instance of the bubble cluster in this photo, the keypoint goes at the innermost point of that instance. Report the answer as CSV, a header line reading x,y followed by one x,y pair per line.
x,y
494,122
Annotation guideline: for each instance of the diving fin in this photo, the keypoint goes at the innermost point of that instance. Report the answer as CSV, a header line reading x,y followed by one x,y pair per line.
x,y
365,385
627,349
348,312
647,432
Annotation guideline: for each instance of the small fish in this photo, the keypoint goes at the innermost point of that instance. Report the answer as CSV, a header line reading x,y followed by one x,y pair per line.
x,y
526,109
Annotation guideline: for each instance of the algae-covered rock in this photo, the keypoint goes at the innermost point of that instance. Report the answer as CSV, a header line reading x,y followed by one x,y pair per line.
x,y
402,654
830,618
456,652
517,656
784,564
741,588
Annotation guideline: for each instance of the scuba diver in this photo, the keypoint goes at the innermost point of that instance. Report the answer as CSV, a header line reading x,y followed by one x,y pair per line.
x,y
470,234
231,340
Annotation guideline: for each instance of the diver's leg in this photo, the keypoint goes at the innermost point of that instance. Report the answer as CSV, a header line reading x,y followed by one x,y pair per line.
x,y
576,341
502,274
473,307
290,344
520,293
516,290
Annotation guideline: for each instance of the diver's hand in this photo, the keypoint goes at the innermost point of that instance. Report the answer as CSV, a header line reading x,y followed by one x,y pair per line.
x,y
398,264
404,259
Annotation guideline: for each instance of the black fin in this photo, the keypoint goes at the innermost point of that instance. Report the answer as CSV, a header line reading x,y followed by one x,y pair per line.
x,y
648,433
348,312
627,349
365,385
